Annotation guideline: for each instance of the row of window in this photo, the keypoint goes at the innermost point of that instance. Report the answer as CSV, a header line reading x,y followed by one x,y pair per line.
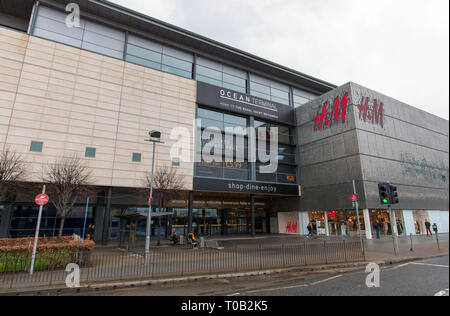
x,y
50,24
91,153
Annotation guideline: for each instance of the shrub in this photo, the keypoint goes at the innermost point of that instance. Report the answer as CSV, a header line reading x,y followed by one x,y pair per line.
x,y
15,254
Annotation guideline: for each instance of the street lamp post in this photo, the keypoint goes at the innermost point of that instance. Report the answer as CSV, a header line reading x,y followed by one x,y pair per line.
x,y
155,137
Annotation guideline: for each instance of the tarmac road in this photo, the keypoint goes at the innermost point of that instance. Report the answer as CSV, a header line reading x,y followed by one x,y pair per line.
x,y
421,278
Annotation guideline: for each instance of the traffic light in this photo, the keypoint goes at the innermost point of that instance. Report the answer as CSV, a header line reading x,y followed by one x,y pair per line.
x,y
394,195
384,191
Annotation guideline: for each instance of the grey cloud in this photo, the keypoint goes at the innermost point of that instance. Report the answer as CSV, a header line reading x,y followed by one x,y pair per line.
x,y
400,48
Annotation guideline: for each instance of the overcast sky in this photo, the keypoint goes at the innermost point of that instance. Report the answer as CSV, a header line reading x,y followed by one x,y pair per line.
x,y
396,47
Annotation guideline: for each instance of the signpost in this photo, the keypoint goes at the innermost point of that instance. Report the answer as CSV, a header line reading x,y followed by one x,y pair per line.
x,y
41,200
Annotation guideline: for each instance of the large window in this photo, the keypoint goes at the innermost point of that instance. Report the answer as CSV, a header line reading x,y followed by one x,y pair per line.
x,y
221,169
287,168
24,220
221,75
302,97
153,55
287,164
95,37
269,90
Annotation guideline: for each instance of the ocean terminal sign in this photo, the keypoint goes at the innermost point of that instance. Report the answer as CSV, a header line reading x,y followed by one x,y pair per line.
x,y
240,103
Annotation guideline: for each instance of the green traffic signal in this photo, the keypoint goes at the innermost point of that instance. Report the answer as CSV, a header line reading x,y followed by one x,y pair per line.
x,y
383,190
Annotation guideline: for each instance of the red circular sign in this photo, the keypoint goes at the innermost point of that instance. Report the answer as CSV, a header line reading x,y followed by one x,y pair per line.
x,y
354,198
41,199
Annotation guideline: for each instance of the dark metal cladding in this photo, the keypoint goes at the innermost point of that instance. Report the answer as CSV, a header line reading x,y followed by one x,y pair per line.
x,y
381,140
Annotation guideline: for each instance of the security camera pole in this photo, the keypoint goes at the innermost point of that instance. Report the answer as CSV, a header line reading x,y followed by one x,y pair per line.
x,y
155,137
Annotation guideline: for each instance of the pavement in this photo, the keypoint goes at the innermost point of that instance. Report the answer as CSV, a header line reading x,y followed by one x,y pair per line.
x,y
379,251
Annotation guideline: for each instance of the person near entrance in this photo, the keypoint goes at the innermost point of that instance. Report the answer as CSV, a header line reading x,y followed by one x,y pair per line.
x,y
435,228
376,226
428,228
310,230
192,241
385,227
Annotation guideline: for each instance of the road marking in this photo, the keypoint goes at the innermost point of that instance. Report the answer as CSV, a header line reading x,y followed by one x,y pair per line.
x,y
429,264
330,279
278,288
235,294
294,286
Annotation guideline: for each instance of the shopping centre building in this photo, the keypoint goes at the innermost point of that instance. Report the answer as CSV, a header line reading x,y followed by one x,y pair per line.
x,y
95,89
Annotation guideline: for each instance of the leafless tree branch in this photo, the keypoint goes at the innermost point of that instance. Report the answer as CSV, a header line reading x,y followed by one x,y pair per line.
x,y
68,179
12,173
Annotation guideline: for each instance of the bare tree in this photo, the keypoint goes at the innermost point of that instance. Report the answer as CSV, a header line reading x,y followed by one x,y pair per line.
x,y
68,180
12,173
167,185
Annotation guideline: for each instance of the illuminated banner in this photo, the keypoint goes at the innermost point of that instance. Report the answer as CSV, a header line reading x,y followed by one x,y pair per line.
x,y
225,99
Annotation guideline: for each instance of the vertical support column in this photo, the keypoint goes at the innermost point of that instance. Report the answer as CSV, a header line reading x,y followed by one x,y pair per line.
x,y
368,225
268,222
190,209
99,213
394,223
5,221
224,222
34,13
327,227
107,218
252,209
252,147
410,226
304,217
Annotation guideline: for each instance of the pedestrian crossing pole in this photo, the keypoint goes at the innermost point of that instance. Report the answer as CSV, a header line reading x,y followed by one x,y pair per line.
x,y
359,221
393,229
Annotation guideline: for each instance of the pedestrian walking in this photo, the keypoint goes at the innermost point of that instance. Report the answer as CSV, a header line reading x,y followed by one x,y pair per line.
x,y
90,231
385,227
310,230
428,228
314,228
376,226
399,227
435,228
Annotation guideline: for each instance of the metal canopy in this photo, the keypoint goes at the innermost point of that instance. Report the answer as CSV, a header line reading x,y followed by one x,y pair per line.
x,y
145,215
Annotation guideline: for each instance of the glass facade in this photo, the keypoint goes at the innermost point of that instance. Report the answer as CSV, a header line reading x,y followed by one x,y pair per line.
x,y
24,221
51,24
269,90
153,55
222,169
287,164
301,97
216,222
241,170
220,75
108,41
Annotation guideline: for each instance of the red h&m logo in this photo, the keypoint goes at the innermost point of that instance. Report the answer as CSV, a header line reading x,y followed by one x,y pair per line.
x,y
292,227
339,112
372,113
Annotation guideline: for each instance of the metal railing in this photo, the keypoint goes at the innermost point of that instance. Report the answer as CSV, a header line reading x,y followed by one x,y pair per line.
x,y
173,262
